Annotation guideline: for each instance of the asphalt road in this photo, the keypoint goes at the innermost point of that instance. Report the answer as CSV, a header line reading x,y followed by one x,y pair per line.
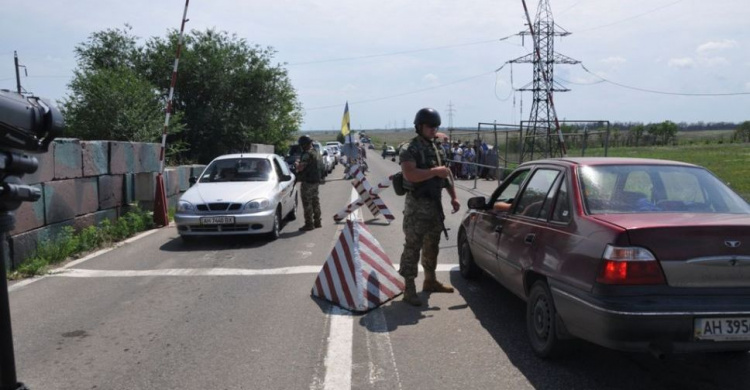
x,y
236,313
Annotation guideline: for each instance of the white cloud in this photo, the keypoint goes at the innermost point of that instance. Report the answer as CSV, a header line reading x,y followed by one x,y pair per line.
x,y
684,62
615,60
430,79
713,46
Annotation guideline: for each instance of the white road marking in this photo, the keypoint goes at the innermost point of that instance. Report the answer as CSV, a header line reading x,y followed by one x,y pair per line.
x,y
382,364
338,361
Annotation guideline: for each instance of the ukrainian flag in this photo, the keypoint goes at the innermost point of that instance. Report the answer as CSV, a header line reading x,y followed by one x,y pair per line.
x,y
345,121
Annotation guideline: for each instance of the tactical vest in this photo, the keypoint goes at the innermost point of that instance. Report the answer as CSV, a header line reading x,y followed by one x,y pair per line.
x,y
426,156
311,173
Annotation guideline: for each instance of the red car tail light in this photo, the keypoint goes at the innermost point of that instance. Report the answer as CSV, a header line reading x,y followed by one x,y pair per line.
x,y
630,265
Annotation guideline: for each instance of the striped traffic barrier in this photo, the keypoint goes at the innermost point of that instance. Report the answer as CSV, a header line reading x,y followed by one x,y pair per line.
x,y
357,275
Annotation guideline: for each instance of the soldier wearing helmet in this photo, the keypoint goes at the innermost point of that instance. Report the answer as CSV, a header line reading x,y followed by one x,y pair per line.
x,y
309,174
425,176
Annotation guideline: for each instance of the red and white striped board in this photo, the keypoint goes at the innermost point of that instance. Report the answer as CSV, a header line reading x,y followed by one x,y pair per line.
x,y
357,275
368,195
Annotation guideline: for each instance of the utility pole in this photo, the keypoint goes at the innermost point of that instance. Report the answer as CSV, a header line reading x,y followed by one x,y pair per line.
x,y
539,132
18,75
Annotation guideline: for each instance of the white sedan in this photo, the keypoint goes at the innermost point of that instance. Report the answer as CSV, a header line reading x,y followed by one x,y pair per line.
x,y
238,194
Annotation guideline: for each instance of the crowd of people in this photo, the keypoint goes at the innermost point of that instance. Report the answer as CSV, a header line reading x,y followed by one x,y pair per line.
x,y
464,155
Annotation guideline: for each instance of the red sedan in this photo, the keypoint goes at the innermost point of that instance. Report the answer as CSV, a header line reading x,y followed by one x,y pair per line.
x,y
630,254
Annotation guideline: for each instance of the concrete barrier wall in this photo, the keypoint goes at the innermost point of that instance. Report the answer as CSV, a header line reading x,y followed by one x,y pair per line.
x,y
84,182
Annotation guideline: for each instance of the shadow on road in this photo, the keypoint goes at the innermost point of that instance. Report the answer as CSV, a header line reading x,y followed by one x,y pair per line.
x,y
215,242
588,366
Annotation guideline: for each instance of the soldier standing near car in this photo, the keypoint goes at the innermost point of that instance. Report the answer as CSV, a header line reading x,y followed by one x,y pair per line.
x,y
308,171
425,176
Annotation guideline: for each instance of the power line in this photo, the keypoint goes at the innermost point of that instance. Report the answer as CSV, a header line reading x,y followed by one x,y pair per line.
x,y
402,94
400,52
632,17
663,92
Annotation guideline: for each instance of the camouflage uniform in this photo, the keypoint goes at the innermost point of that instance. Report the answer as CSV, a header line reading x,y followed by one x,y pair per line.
x,y
310,178
422,223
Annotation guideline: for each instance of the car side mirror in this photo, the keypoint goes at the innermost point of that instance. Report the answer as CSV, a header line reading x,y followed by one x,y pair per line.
x,y
192,180
477,203
286,177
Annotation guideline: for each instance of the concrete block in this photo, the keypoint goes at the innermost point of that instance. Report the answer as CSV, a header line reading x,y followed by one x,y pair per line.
x,y
184,177
172,201
121,158
261,148
93,219
128,190
30,215
196,170
172,181
68,159
95,156
145,186
110,191
64,199
147,157
45,171
24,245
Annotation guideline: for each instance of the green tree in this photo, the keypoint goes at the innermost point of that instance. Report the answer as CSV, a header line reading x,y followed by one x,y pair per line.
x,y
742,132
230,92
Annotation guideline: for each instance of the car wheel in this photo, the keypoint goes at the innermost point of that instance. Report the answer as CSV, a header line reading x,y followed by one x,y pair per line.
x,y
276,229
541,323
293,214
466,264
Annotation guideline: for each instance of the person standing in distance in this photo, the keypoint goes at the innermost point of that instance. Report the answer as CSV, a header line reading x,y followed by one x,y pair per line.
x,y
308,170
425,176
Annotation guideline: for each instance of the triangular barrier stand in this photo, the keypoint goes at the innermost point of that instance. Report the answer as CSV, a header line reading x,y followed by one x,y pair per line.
x,y
358,275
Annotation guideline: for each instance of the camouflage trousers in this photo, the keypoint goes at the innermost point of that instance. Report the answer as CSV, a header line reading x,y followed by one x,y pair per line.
x,y
310,203
422,228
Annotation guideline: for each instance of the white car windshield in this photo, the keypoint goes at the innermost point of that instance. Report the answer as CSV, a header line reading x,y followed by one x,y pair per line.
x,y
237,169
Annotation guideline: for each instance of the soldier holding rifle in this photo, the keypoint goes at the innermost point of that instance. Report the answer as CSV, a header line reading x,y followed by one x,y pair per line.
x,y
425,176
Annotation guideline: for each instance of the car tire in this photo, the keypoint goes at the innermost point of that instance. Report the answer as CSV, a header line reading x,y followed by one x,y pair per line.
x,y
541,322
469,269
276,229
293,214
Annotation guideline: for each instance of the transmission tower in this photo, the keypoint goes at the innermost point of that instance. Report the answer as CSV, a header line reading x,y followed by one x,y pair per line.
x,y
450,110
542,136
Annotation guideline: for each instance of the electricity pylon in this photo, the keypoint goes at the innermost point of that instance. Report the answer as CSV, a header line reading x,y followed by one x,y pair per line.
x,y
542,135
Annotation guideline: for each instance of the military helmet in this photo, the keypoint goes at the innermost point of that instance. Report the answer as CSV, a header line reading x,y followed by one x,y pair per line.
x,y
304,140
428,116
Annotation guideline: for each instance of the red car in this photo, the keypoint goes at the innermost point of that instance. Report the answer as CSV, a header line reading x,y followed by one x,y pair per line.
x,y
631,254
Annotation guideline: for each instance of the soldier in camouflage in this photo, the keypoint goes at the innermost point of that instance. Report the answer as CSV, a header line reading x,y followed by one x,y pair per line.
x,y
424,178
308,172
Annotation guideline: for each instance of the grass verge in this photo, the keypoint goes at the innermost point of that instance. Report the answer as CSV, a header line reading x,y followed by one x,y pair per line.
x,y
71,244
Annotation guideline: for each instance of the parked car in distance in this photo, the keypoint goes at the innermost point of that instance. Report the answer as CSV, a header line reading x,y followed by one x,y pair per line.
x,y
390,151
631,254
246,193
328,160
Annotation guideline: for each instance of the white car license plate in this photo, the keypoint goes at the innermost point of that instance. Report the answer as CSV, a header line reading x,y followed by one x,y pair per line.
x,y
217,220
722,329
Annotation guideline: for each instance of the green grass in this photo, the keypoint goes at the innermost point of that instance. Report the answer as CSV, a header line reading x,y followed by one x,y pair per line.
x,y
70,244
730,162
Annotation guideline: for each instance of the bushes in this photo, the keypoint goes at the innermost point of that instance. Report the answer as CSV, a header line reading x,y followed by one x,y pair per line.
x,y
68,243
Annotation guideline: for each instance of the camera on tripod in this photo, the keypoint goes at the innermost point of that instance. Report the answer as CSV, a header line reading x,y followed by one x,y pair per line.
x,y
27,124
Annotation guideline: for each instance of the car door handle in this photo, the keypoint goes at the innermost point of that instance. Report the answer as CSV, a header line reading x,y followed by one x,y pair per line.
x,y
529,238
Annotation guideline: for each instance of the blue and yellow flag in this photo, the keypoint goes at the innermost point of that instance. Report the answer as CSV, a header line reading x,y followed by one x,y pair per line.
x,y
345,121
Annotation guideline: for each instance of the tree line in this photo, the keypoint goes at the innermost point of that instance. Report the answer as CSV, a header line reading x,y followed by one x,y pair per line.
x,y
228,93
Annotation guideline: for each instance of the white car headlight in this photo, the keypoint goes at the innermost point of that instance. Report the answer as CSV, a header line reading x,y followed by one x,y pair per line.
x,y
257,205
185,207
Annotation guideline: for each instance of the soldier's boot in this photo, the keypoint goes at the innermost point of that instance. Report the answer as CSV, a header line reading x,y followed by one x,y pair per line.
x,y
410,294
431,284
307,227
318,224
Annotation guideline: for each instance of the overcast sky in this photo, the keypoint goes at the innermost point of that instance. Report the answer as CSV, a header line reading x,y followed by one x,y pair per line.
x,y
389,58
